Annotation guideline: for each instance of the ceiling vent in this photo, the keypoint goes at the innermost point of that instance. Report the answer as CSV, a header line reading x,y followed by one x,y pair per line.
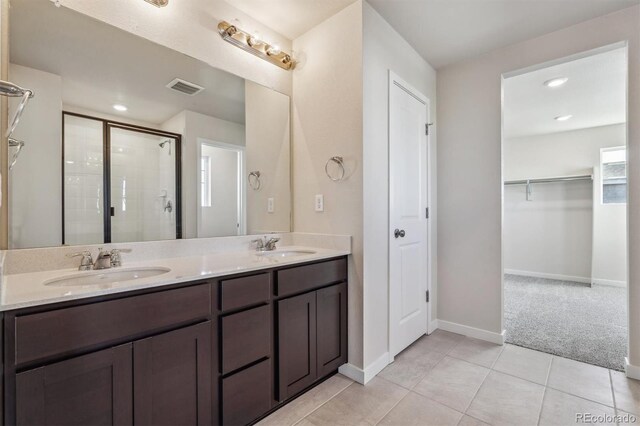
x,y
185,87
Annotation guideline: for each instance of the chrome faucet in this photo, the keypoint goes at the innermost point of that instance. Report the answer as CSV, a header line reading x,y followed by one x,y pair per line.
x,y
103,261
265,244
106,259
86,264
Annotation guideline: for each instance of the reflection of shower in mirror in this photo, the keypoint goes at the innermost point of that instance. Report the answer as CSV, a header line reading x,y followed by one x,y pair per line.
x,y
163,143
167,206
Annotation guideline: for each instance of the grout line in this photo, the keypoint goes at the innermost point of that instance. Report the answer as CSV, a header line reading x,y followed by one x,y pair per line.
x,y
321,405
473,398
613,395
493,364
394,406
546,380
544,395
580,397
474,363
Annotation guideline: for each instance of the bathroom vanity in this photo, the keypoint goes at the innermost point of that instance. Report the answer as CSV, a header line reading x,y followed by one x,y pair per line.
x,y
226,349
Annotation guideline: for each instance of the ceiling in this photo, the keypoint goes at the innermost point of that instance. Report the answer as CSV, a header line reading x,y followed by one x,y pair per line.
x,y
595,95
448,31
291,18
101,66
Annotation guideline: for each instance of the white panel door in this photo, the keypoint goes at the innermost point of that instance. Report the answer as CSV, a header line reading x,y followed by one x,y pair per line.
x,y
408,257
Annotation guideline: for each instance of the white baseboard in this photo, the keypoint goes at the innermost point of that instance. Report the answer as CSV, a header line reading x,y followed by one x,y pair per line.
x,y
611,283
433,326
369,372
632,371
586,280
477,333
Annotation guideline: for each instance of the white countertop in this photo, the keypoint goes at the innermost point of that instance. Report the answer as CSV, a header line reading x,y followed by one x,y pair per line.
x,y
28,289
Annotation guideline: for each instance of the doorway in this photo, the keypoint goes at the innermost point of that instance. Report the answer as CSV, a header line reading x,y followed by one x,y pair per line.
x,y
564,207
221,189
408,202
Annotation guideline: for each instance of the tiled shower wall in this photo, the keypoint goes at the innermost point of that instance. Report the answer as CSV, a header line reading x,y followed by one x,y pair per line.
x,y
142,173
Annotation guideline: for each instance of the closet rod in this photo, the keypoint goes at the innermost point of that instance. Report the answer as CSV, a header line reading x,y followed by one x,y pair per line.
x,y
548,180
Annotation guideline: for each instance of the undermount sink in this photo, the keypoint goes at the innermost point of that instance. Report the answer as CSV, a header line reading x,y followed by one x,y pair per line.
x,y
109,276
286,253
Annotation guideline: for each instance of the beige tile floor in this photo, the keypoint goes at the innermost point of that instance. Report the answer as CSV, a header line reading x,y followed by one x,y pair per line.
x,y
448,379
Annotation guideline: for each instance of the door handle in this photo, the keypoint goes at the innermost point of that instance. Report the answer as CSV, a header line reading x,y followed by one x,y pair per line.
x,y
399,233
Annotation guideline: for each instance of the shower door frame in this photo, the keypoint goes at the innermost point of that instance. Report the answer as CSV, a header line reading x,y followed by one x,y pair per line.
x,y
107,125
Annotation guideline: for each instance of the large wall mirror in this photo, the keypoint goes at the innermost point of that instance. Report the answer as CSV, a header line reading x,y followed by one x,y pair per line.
x,y
126,140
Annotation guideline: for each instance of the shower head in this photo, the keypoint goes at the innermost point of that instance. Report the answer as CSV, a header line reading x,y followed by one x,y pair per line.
x,y
13,90
164,142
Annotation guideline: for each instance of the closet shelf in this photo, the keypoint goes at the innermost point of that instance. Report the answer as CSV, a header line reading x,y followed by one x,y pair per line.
x,y
530,182
548,180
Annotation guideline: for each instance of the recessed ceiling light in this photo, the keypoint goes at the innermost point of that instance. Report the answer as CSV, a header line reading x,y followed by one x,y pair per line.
x,y
119,107
563,117
556,82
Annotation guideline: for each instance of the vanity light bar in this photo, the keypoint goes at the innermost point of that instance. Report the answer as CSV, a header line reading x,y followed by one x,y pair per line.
x,y
158,3
252,44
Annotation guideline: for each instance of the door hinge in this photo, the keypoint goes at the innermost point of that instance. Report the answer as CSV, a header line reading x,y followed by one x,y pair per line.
x,y
427,296
427,212
426,128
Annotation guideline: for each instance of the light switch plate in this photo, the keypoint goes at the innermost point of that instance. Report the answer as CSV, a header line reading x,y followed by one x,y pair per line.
x,y
270,205
319,203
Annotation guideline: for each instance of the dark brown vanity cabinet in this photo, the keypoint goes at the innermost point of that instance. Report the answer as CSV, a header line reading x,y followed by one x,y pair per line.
x,y
161,380
139,359
94,389
172,378
312,327
297,351
226,351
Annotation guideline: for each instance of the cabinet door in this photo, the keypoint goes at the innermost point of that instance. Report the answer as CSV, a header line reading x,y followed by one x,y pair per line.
x,y
94,389
172,377
296,344
332,328
246,395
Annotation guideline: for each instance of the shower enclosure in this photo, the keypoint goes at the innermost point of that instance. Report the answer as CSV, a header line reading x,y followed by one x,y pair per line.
x,y
121,183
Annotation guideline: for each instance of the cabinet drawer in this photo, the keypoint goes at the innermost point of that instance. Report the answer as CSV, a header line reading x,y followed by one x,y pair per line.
x,y
301,278
62,331
245,291
246,395
246,337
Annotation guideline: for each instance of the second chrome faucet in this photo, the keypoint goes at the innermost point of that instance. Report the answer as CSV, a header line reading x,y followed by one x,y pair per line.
x,y
106,259
265,244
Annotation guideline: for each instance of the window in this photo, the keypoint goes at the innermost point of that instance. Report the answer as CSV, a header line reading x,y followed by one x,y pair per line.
x,y
614,175
205,181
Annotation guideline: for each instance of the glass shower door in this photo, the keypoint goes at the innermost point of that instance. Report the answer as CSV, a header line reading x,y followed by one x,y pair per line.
x,y
143,185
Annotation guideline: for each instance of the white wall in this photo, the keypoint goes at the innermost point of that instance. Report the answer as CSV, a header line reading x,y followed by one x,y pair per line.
x,y
194,126
35,182
550,236
268,134
384,50
327,121
470,165
566,224
190,27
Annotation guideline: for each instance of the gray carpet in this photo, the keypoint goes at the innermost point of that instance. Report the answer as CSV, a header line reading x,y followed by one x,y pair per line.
x,y
568,319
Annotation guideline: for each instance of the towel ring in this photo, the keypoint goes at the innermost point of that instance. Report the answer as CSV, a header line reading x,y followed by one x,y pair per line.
x,y
340,162
254,183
